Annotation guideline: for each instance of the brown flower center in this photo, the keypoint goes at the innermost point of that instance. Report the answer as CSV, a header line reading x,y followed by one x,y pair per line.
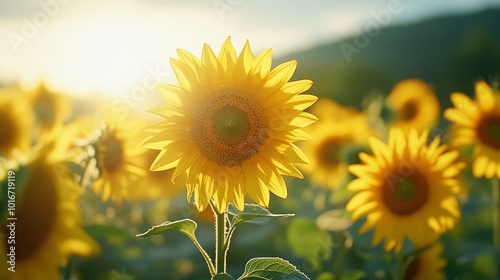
x,y
412,269
329,151
405,195
111,152
229,127
37,211
488,131
8,130
409,110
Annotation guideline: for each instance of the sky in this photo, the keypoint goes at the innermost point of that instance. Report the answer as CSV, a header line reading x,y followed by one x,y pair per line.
x,y
110,46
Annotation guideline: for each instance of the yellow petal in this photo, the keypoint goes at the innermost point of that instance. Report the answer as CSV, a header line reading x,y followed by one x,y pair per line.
x,y
262,64
479,166
281,74
165,160
485,96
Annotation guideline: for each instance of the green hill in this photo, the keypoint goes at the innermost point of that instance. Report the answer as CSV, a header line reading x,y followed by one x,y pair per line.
x,y
449,52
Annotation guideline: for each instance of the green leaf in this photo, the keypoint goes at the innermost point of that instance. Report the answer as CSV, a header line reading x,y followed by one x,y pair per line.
x,y
355,275
186,226
271,268
74,168
253,213
222,276
307,240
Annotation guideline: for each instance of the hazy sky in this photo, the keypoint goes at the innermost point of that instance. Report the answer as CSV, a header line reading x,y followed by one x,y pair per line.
x,y
84,46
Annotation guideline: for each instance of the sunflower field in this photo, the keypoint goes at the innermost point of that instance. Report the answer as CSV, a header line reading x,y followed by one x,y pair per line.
x,y
339,161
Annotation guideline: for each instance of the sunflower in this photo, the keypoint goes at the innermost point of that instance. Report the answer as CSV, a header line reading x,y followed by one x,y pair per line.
x,y
427,265
338,130
15,122
153,185
48,226
230,125
406,189
118,155
478,123
50,109
414,105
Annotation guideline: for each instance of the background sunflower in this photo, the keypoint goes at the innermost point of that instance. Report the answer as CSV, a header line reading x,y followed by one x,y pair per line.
x,y
49,224
414,104
478,123
406,189
118,156
339,133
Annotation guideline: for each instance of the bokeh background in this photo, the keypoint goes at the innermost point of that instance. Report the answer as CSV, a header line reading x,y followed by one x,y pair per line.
x,y
115,51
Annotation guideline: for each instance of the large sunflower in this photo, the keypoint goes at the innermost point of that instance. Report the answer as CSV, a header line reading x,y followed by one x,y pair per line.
x,y
48,226
230,125
119,155
338,130
406,189
427,265
414,104
15,122
478,123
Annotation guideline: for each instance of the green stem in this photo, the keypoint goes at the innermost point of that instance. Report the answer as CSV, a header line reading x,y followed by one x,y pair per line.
x,y
84,172
220,240
344,248
67,271
228,238
496,219
205,256
399,268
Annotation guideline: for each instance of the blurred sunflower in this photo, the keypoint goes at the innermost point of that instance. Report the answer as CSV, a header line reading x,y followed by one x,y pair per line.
x,y
15,124
414,104
478,123
332,138
230,126
427,265
153,185
118,154
50,109
48,225
406,189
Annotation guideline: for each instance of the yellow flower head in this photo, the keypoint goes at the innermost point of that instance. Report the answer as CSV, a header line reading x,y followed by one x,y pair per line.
x,y
478,123
48,226
230,125
338,129
119,155
406,189
15,123
427,265
414,104
50,109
